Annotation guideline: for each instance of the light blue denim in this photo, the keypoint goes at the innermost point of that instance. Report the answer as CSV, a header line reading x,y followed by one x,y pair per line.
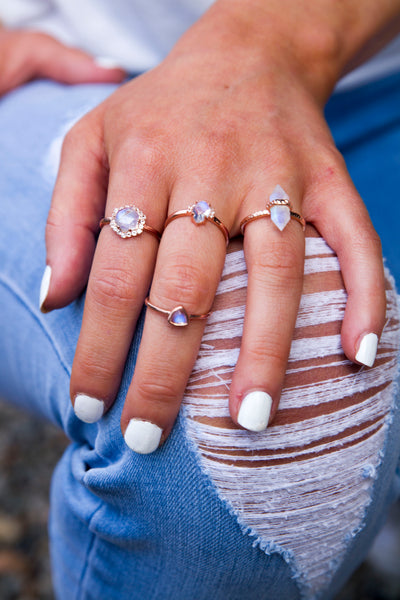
x,y
152,527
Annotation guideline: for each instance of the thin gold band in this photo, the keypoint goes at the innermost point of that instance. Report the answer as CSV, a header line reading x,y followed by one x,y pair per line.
x,y
148,228
266,213
211,218
178,316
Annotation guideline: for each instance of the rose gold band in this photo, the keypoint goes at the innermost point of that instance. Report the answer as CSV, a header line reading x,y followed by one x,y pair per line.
x,y
178,316
266,213
200,213
148,228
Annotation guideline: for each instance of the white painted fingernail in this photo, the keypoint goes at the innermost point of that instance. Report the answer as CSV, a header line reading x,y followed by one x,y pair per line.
x,y
142,437
44,286
367,350
254,411
106,62
88,409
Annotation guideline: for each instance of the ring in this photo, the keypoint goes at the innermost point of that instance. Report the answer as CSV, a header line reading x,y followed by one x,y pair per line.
x,y
129,221
178,316
200,213
278,209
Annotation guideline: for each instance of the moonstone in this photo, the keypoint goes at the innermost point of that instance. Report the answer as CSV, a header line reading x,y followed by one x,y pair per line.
x,y
178,317
200,211
127,219
280,215
278,194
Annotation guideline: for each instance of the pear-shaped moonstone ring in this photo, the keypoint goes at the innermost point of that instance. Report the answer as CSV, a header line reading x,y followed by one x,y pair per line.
x,y
200,213
178,316
129,221
278,209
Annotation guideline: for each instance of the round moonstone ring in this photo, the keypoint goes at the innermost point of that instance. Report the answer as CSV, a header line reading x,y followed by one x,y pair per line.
x,y
278,209
129,221
200,213
178,316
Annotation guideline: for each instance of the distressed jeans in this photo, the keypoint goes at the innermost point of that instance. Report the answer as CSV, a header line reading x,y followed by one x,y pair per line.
x,y
216,512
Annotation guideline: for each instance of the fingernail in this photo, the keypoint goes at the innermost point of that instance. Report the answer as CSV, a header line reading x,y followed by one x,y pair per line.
x,y
44,286
142,437
88,409
106,63
367,349
254,411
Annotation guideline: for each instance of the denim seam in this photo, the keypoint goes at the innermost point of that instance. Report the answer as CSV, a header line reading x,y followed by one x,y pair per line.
x,y
87,556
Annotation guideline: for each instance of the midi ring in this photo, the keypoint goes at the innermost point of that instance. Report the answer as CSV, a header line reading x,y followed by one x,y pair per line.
x,y
129,221
200,213
278,209
178,316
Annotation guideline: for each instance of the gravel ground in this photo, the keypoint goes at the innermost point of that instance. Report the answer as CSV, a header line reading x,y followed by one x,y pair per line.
x,y
29,450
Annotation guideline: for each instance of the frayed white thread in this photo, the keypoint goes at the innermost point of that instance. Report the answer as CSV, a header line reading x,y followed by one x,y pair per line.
x,y
299,488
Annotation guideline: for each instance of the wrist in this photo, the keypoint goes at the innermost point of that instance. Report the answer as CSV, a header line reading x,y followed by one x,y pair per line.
x,y
315,41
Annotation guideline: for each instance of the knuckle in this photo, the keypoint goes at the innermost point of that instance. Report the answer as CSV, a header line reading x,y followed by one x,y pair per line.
x,y
144,149
163,394
262,350
279,260
111,287
87,369
185,282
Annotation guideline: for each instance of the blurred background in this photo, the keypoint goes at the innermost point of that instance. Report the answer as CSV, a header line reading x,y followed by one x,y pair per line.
x,y
29,450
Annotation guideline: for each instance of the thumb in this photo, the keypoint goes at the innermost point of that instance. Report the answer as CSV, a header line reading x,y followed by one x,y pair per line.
x,y
71,65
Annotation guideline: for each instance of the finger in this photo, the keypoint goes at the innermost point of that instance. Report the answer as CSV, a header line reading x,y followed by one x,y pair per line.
x,y
119,280
62,63
188,270
345,224
76,209
275,262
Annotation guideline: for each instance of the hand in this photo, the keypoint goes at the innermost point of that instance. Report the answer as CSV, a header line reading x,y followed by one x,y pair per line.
x,y
27,55
223,121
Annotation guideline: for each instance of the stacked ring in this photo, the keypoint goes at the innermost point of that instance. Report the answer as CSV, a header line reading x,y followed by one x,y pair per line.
x,y
200,213
278,209
178,316
129,221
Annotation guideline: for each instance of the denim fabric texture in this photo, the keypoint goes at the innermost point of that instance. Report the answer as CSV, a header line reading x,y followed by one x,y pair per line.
x,y
151,527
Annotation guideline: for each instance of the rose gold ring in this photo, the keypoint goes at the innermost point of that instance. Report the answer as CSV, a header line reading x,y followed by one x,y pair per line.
x,y
278,209
178,316
200,213
129,221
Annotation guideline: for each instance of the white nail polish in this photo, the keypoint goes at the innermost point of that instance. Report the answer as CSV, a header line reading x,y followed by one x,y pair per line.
x,y
367,350
44,286
142,437
254,411
88,409
106,62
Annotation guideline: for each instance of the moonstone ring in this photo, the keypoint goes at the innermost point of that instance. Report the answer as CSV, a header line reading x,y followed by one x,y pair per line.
x,y
178,316
129,221
278,209
200,213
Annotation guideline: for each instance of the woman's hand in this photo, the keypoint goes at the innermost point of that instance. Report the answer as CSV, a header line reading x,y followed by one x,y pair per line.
x,y
234,110
27,55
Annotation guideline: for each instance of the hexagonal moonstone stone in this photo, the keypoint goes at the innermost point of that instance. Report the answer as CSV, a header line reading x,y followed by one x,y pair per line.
x,y
280,215
278,194
127,219
200,211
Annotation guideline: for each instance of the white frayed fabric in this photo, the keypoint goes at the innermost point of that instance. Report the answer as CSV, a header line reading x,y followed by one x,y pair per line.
x,y
304,484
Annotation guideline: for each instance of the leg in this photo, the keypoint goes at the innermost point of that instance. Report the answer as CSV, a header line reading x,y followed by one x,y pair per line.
x,y
217,512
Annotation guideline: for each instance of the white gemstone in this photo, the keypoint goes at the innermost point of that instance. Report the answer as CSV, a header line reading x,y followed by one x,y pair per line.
x,y
278,194
127,219
201,210
280,215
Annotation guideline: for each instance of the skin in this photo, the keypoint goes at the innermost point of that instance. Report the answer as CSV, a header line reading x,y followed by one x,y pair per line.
x,y
235,108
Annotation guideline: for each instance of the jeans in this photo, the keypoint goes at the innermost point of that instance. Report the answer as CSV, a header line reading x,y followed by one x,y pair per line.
x,y
158,526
